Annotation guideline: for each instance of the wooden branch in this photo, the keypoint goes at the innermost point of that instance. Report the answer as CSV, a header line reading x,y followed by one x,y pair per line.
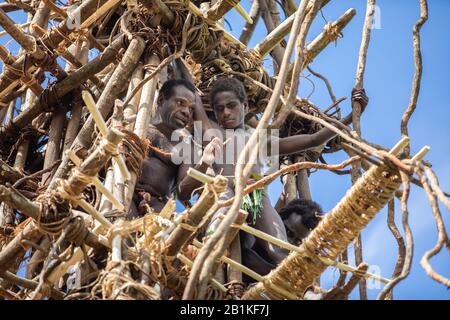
x,y
8,174
400,243
194,216
249,28
27,42
277,52
220,8
299,63
16,200
342,293
53,7
143,117
30,284
417,71
356,115
71,82
106,101
278,34
211,269
21,26
159,7
359,82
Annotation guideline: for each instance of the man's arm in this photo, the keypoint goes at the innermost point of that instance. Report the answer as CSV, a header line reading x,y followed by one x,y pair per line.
x,y
186,185
302,142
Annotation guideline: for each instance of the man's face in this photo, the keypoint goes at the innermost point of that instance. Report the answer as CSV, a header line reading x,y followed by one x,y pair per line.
x,y
177,111
229,110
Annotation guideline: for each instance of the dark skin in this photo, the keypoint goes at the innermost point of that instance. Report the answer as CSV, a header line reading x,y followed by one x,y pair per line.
x,y
230,113
298,220
158,171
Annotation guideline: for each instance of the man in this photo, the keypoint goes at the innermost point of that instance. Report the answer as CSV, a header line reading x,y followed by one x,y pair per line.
x,y
229,102
176,103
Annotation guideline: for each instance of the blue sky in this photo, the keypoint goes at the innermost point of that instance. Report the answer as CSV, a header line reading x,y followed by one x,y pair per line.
x,y
388,81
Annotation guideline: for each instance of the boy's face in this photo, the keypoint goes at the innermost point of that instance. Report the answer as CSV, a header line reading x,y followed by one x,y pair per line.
x,y
229,110
177,111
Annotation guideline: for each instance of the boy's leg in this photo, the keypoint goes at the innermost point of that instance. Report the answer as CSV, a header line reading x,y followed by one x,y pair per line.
x,y
270,222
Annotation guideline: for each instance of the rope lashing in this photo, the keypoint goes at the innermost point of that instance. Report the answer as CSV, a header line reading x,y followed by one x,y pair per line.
x,y
134,149
76,231
336,231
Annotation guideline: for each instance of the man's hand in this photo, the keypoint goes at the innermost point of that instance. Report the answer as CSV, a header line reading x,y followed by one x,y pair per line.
x,y
359,95
213,149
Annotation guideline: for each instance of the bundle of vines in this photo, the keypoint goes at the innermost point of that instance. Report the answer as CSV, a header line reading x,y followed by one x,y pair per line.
x,y
78,135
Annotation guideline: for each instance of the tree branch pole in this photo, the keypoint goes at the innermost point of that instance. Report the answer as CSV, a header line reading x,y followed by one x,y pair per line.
x,y
417,71
298,64
405,267
278,34
183,231
143,117
277,52
71,82
400,242
27,42
290,185
443,239
106,101
231,235
80,50
249,28
356,114
53,38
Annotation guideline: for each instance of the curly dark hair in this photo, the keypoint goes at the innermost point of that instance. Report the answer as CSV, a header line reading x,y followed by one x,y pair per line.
x,y
228,84
167,88
306,208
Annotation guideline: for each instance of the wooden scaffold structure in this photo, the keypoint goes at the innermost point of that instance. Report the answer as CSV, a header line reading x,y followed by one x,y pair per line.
x,y
73,139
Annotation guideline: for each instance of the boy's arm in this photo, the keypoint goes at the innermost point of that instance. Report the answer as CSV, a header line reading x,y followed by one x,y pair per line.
x,y
302,142
199,110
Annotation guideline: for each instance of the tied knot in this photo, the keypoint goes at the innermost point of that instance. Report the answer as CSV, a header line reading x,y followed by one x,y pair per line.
x,y
76,231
